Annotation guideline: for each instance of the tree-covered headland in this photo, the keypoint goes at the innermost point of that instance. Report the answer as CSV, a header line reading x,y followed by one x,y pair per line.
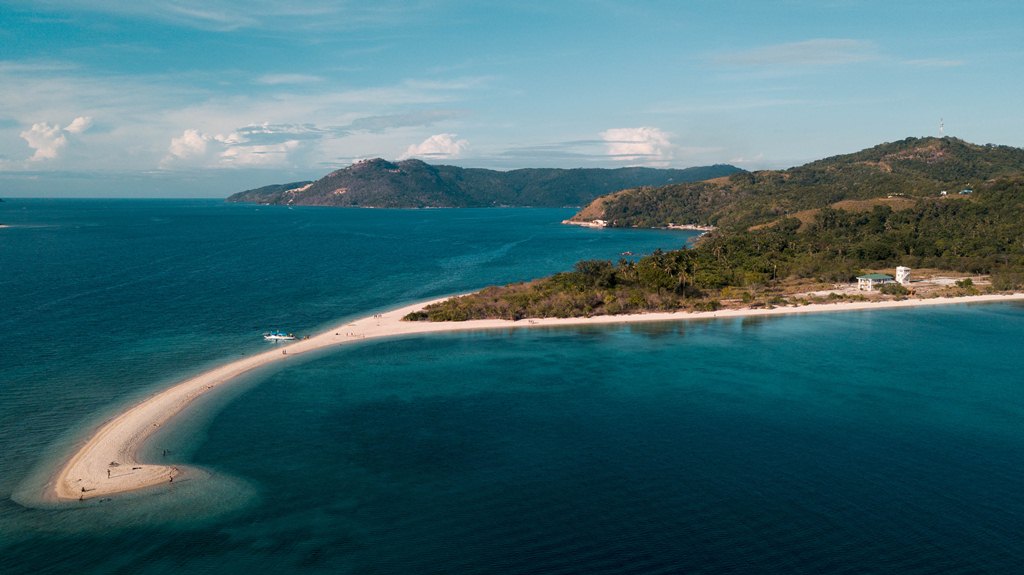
x,y
798,229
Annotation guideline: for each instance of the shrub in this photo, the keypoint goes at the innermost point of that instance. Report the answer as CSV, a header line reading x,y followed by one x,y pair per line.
x,y
707,305
1007,281
894,289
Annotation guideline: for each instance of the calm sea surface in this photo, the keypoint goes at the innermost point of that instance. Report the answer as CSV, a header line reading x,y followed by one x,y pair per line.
x,y
867,442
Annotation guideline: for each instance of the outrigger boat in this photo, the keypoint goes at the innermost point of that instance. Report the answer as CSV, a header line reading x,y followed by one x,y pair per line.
x,y
277,336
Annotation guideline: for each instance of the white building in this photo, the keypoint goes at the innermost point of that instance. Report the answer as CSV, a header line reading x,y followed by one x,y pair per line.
x,y
903,275
870,281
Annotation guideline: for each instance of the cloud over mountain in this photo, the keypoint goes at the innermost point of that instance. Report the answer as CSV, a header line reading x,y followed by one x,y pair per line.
x,y
644,146
259,145
438,146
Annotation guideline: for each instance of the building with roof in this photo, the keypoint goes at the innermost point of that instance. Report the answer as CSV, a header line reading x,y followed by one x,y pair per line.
x,y
871,281
903,275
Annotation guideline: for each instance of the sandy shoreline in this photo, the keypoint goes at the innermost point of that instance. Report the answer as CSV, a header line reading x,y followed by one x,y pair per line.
x,y
604,224
89,473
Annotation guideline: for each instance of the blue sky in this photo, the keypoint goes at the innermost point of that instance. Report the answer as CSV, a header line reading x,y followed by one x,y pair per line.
x,y
181,98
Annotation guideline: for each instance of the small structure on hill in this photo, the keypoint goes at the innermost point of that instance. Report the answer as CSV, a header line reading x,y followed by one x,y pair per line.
x,y
870,281
902,275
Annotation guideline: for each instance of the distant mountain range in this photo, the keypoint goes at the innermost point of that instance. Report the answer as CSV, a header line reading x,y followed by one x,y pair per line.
x,y
379,183
894,171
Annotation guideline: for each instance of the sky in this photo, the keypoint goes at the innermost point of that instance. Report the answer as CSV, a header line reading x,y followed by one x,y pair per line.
x,y
204,98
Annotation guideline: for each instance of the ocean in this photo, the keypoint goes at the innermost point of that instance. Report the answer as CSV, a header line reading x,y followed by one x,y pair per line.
x,y
862,442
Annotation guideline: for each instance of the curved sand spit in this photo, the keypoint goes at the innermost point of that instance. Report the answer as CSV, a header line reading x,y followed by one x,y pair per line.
x,y
90,473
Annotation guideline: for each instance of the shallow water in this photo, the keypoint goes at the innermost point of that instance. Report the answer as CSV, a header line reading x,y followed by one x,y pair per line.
x,y
883,442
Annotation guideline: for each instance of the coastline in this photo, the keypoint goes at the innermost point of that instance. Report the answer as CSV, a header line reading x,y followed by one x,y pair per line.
x,y
604,224
585,224
89,472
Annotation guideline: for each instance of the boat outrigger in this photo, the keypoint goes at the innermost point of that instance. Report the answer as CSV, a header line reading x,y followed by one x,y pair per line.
x,y
277,336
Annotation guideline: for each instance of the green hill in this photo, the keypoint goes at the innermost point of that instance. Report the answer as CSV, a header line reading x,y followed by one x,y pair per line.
x,y
260,195
415,184
786,234
912,168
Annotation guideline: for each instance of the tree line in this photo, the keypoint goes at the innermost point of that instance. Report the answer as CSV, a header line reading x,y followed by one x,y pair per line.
x,y
980,234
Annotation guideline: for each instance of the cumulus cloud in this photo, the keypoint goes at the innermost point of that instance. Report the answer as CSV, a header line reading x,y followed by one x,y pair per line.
x,y
438,146
45,139
237,148
48,140
79,125
643,146
189,144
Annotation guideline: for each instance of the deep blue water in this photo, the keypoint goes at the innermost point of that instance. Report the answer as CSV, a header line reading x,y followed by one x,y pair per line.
x,y
867,442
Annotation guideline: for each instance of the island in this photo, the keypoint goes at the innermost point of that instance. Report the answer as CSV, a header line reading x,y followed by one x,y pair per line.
x,y
378,183
950,210
933,243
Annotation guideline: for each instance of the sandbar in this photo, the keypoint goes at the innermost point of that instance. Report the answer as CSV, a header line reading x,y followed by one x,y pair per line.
x,y
107,463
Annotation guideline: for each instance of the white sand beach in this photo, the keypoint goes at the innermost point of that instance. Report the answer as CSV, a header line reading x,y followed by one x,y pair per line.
x,y
107,463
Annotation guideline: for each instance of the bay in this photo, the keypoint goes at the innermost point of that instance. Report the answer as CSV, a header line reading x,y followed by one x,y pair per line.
x,y
884,442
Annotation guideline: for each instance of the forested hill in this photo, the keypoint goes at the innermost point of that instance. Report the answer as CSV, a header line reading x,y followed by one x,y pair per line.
x,y
911,168
787,237
415,184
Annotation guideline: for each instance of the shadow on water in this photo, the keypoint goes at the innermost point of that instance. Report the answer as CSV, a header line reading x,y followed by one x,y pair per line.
x,y
755,321
659,329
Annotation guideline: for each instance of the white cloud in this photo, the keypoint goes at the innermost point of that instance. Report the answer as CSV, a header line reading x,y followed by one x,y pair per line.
x,y
642,146
196,149
267,133
438,146
45,139
79,125
190,144
48,140
142,113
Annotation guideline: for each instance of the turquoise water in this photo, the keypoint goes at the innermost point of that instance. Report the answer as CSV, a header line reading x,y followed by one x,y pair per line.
x,y
884,442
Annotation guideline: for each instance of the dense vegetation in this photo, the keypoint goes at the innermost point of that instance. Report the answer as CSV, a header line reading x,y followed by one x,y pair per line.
x,y
415,184
979,233
912,168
